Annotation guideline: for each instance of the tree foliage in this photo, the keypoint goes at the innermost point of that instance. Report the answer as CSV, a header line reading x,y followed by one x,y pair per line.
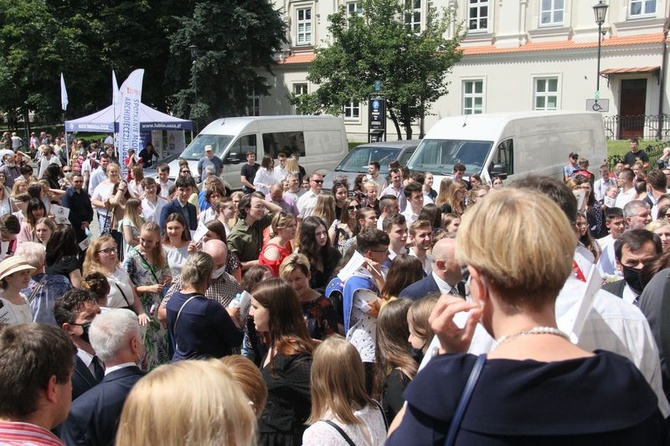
x,y
377,45
86,39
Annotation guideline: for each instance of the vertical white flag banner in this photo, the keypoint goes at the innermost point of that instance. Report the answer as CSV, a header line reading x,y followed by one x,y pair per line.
x,y
63,93
115,104
130,96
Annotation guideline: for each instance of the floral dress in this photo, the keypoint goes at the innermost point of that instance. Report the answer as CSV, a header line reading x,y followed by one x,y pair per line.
x,y
142,273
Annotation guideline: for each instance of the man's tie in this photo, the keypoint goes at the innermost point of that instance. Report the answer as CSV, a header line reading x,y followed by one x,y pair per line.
x,y
98,370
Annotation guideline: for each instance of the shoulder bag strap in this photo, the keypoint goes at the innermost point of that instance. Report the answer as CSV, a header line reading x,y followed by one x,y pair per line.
x,y
381,409
465,399
174,326
122,293
147,264
344,435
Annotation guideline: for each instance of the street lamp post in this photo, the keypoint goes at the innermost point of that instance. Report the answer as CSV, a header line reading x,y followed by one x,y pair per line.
x,y
600,12
194,58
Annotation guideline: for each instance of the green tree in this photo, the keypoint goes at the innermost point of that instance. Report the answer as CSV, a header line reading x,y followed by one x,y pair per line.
x,y
377,45
234,39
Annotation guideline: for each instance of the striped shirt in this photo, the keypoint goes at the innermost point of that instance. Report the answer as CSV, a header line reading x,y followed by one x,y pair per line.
x,y
26,434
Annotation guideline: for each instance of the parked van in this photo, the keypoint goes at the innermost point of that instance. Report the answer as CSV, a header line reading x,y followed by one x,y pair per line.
x,y
320,141
511,144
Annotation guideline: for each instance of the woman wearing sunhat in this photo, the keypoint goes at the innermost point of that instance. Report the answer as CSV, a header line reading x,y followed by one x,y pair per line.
x,y
14,276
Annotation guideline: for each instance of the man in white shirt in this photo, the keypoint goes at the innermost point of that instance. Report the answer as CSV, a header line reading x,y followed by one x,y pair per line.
x,y
626,188
307,202
396,228
658,184
17,142
100,174
414,194
616,224
396,189
375,177
294,191
421,236
603,183
280,171
164,180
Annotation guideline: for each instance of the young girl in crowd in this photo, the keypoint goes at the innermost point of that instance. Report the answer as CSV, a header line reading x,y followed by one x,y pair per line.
x,y
342,412
286,367
177,242
315,245
279,246
35,211
43,230
394,367
347,228
404,270
131,223
420,333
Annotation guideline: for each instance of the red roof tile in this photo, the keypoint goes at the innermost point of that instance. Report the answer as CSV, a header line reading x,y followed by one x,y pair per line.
x,y
297,58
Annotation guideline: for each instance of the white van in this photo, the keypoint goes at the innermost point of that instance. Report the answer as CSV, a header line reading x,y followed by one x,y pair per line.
x,y
320,141
511,144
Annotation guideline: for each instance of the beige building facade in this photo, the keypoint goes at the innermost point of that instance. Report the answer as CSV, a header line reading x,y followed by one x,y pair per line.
x,y
519,55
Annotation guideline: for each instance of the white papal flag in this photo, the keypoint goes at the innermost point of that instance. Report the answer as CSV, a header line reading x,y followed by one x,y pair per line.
x,y
128,134
63,93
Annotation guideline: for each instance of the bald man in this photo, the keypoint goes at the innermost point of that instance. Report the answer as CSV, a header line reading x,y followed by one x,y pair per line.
x,y
446,276
223,287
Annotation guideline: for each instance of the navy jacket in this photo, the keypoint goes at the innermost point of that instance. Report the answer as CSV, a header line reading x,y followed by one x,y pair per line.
x,y
427,285
82,379
94,416
175,207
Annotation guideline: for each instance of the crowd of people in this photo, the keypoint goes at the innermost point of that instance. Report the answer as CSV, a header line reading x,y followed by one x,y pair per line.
x,y
379,312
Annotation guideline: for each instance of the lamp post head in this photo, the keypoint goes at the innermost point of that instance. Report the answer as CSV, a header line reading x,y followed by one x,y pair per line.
x,y
600,12
194,49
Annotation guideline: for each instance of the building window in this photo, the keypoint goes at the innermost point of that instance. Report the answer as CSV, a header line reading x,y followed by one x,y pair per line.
x,y
354,7
642,7
546,93
304,26
298,90
254,105
478,15
413,15
551,12
352,111
473,97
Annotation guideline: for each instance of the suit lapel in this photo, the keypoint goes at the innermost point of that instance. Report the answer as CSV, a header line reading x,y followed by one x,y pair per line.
x,y
84,373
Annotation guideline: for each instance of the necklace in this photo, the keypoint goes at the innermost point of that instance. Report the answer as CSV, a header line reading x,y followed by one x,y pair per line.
x,y
531,331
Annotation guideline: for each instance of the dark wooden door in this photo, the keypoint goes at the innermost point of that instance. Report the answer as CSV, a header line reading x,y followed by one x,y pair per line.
x,y
631,115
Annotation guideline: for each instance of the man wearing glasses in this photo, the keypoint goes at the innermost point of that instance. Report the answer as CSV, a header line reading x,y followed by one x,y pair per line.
x,y
307,202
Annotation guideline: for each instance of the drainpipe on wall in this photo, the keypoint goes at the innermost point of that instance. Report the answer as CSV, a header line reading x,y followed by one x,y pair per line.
x,y
661,87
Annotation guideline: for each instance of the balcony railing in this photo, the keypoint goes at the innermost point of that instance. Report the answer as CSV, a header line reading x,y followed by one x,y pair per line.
x,y
640,126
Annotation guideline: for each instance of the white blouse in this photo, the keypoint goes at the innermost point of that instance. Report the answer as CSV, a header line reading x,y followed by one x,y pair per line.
x,y
15,314
120,281
176,258
371,431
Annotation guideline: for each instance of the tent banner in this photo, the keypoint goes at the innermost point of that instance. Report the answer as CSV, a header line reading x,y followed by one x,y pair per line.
x,y
128,108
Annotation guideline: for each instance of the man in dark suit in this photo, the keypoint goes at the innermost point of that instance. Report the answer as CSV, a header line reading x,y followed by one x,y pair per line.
x,y
180,205
74,312
79,203
632,250
94,417
446,276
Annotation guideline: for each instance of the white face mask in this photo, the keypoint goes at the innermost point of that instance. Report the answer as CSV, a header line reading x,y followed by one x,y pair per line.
x,y
218,272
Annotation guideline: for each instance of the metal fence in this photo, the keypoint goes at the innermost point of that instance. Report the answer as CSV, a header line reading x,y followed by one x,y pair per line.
x,y
640,126
654,151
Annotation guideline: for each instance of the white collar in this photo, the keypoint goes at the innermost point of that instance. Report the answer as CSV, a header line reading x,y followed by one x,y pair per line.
x,y
114,368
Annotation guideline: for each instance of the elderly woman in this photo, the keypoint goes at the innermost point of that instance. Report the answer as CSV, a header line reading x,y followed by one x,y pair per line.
x,y
201,327
535,386
15,275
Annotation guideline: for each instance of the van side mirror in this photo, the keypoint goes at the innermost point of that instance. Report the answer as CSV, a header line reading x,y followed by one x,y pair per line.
x,y
498,170
232,158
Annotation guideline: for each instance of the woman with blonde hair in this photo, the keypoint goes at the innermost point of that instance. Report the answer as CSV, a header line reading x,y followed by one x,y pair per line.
x,y
249,378
147,266
455,201
130,225
169,407
518,246
279,247
101,256
43,230
318,310
135,184
442,195
286,367
661,227
342,412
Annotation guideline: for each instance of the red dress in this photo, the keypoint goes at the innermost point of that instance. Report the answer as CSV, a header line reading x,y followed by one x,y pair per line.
x,y
274,264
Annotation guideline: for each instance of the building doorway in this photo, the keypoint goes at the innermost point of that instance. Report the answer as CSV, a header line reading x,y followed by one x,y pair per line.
x,y
633,101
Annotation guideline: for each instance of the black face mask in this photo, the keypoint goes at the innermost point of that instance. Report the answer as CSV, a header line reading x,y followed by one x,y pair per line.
x,y
84,332
632,278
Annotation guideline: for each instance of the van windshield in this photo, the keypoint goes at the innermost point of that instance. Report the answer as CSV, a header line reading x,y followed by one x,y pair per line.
x,y
360,158
438,156
196,149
